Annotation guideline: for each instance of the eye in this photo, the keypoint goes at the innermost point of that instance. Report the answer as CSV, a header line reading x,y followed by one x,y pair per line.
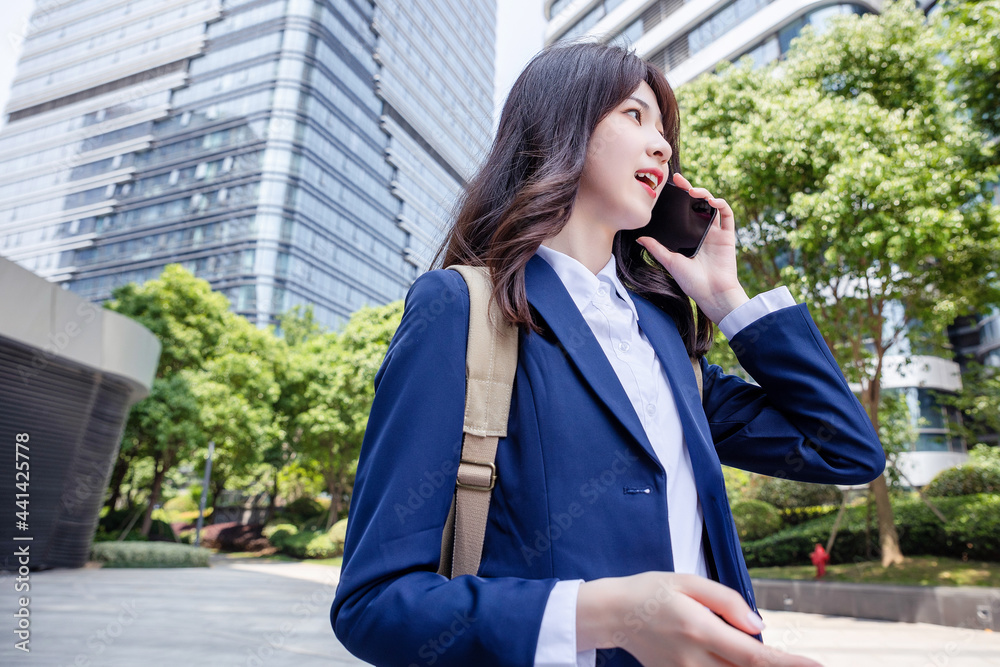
x,y
638,114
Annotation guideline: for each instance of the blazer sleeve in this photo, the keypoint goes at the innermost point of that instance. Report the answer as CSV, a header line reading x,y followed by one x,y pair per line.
x,y
391,607
803,422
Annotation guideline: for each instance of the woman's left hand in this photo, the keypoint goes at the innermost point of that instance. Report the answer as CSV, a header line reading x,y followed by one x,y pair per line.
x,y
710,276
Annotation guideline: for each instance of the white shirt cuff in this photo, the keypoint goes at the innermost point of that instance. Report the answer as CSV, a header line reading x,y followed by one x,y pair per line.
x,y
754,309
557,636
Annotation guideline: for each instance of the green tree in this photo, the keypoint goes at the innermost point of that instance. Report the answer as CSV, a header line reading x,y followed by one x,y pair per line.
x,y
299,325
335,375
237,395
971,37
215,381
847,167
188,319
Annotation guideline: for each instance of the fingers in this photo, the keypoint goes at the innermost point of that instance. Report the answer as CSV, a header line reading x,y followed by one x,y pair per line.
x,y
733,645
662,254
726,216
723,600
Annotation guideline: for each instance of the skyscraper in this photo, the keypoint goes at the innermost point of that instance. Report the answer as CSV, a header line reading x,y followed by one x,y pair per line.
x,y
288,151
688,38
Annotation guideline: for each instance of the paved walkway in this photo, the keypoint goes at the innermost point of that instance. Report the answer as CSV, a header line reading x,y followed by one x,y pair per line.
x,y
837,641
244,615
270,614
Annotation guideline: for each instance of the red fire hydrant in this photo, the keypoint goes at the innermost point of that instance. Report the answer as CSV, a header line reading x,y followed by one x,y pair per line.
x,y
819,558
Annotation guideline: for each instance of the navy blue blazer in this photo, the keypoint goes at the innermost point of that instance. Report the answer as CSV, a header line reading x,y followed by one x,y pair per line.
x,y
580,493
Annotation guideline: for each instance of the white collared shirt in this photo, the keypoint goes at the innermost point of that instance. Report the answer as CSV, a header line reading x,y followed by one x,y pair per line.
x,y
609,311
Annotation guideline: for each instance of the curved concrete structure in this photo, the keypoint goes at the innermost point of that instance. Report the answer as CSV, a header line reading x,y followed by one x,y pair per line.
x,y
69,372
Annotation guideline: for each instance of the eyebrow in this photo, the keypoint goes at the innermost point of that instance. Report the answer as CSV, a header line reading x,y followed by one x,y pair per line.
x,y
645,107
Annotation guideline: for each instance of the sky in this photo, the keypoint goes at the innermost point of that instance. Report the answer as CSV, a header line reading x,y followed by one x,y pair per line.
x,y
520,29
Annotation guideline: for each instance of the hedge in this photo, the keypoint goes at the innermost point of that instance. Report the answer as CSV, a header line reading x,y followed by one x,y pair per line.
x,y
785,493
972,532
278,533
793,516
148,554
309,544
302,512
965,479
755,519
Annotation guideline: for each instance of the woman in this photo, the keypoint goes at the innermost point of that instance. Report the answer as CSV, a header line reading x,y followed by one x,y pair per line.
x,y
609,538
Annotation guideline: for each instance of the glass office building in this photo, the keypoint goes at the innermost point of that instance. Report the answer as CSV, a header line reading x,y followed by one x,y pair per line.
x,y
688,38
287,151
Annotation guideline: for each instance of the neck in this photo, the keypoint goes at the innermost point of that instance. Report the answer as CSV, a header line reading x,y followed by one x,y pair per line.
x,y
589,244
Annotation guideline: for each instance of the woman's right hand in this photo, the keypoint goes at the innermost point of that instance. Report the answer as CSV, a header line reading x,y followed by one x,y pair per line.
x,y
665,618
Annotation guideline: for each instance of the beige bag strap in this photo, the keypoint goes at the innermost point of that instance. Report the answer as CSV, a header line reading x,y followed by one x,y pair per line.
x,y
491,360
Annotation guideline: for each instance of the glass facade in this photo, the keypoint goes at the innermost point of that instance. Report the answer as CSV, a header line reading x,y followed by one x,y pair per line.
x,y
707,24
288,151
930,418
775,45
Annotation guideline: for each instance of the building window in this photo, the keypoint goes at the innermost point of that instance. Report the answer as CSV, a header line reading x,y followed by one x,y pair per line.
x,y
931,419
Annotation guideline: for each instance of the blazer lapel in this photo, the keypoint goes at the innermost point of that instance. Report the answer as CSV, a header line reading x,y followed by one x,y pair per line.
x,y
550,298
661,330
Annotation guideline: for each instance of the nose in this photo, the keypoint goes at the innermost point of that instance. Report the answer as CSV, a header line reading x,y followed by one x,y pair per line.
x,y
660,149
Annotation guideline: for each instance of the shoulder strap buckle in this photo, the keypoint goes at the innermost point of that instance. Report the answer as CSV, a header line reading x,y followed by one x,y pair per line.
x,y
472,476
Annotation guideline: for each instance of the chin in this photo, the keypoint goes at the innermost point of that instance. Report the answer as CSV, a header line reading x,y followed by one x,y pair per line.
x,y
636,223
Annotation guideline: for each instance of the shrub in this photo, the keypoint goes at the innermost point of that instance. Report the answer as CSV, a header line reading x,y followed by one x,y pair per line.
x,y
755,519
793,516
279,534
183,502
972,531
113,523
737,484
311,544
234,536
983,454
785,493
965,479
338,532
148,554
304,511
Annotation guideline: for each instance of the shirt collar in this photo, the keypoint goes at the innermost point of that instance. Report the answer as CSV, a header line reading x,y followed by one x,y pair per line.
x,y
581,284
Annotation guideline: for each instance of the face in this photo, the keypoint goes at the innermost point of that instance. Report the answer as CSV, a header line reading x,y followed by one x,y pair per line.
x,y
628,141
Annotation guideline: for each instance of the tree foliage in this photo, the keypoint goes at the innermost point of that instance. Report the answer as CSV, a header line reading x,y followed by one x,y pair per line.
x,y
331,392
215,380
848,167
971,37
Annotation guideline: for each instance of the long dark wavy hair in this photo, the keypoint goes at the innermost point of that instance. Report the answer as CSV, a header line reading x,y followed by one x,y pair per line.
x,y
524,191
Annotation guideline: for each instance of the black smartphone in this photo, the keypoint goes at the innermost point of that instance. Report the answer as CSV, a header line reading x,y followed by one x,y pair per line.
x,y
679,221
